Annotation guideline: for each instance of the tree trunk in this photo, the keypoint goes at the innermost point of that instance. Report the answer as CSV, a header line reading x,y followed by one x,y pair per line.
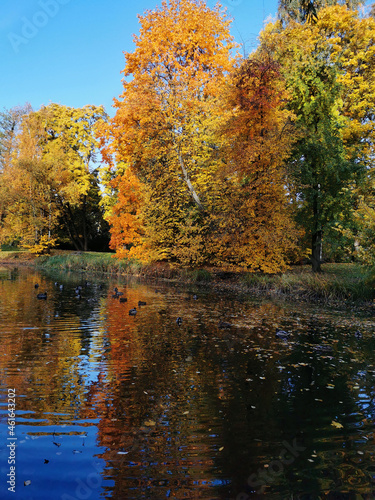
x,y
70,226
190,186
84,224
316,239
316,251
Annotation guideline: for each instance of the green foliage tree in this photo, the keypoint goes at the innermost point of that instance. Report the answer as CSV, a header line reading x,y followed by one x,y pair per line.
x,y
330,73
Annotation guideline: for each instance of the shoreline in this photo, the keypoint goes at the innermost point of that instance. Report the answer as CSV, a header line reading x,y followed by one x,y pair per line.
x,y
339,285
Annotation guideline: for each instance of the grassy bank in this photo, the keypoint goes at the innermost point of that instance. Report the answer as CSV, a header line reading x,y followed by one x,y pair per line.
x,y
337,282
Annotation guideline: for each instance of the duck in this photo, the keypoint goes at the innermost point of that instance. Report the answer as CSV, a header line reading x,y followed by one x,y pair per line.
x,y
133,311
36,285
141,303
282,334
179,321
42,295
123,299
117,294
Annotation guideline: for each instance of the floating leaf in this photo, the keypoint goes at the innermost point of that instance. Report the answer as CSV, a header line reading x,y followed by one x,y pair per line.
x,y
149,423
336,424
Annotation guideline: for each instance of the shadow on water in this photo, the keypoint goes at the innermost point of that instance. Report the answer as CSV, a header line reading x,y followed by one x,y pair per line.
x,y
215,406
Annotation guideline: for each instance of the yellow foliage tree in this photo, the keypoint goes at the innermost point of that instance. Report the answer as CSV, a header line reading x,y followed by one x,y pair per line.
x,y
165,123
47,173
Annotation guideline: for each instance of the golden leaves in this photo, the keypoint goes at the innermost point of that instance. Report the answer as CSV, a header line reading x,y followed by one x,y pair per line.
x,y
203,149
50,169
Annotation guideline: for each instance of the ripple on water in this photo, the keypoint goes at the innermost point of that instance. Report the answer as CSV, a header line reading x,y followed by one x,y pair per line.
x,y
157,409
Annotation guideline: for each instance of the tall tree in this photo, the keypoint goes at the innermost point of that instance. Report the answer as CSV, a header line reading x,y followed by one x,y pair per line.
x,y
255,227
69,144
9,125
51,179
164,127
330,73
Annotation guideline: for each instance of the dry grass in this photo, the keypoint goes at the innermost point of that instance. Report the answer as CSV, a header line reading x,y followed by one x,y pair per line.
x,y
337,282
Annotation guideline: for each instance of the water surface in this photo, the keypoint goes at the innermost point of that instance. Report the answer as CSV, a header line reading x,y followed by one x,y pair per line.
x,y
112,406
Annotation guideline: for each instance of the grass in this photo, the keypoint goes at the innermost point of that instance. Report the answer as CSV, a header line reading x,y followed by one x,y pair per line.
x,y
101,262
9,248
337,282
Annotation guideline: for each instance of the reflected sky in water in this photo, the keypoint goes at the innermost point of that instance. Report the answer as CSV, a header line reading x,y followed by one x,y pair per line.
x,y
110,405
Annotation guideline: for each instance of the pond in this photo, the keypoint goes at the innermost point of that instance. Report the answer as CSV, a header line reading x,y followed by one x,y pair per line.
x,y
108,405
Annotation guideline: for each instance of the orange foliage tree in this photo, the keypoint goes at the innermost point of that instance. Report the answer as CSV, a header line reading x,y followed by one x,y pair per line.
x,y
164,130
182,192
256,230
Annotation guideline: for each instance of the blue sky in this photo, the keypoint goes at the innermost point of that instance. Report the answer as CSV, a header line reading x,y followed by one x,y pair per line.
x,y
71,51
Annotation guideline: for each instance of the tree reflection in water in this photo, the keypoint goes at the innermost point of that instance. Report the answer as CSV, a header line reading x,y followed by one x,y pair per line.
x,y
117,406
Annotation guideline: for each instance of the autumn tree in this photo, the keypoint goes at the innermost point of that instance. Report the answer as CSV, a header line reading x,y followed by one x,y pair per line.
x,y
9,125
48,176
164,127
70,145
254,218
28,213
329,71
307,10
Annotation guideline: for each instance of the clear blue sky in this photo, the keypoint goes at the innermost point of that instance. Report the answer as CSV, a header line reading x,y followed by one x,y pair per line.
x,y
71,51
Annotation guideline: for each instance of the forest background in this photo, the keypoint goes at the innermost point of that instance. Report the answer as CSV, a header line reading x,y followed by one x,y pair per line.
x,y
213,157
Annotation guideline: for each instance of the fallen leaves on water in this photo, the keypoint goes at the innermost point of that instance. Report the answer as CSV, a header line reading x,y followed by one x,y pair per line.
x,y
337,425
149,423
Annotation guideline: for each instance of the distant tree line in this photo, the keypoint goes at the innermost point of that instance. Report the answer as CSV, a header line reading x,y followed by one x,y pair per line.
x,y
211,158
